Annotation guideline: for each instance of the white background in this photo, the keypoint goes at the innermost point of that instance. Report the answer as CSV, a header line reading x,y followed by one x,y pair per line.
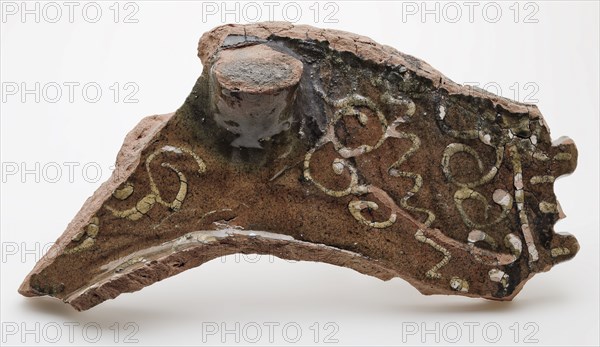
x,y
557,56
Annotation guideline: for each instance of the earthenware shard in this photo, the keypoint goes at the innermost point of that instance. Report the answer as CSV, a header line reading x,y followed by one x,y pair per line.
x,y
322,145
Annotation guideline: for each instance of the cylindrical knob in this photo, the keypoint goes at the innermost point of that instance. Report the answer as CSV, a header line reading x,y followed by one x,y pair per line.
x,y
253,89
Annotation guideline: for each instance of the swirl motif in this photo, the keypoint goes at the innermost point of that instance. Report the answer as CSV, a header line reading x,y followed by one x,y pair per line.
x,y
350,106
145,204
501,197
